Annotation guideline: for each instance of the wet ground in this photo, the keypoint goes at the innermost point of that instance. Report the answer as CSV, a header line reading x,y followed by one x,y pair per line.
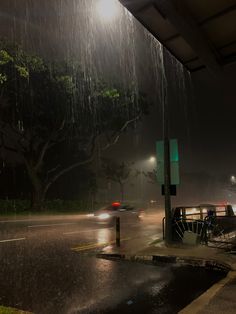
x,y
48,266
184,285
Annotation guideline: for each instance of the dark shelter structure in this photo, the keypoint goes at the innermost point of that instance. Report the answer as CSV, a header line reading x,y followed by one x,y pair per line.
x,y
198,33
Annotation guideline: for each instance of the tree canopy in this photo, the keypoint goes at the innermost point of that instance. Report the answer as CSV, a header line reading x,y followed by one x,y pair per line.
x,y
118,172
53,118
151,176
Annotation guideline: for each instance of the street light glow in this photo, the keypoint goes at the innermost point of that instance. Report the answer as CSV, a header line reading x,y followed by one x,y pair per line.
x,y
152,159
107,9
233,179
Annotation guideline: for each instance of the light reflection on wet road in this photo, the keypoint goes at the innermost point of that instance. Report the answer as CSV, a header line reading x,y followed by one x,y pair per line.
x,y
75,230
40,272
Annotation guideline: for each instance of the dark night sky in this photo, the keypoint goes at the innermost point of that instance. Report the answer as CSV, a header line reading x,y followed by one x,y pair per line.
x,y
202,116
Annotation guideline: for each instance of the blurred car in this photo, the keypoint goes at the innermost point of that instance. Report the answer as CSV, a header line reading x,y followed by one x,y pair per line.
x,y
126,212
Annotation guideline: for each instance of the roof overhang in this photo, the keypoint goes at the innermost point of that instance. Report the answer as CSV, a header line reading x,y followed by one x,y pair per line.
x,y
198,33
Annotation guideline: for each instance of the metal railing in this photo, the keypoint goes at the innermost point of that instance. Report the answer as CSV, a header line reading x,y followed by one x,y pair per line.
x,y
210,231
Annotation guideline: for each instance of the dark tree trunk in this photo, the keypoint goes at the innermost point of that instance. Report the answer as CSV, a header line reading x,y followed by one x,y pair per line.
x,y
122,192
37,190
37,198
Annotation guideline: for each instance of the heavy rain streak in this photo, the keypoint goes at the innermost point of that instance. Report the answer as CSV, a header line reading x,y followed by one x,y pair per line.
x,y
100,54
103,135
100,37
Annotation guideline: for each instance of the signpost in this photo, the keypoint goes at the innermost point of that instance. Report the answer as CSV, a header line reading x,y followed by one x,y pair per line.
x,y
174,162
168,175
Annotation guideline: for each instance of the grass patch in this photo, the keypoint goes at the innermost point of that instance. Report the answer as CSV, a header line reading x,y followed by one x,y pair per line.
x,y
52,207
10,310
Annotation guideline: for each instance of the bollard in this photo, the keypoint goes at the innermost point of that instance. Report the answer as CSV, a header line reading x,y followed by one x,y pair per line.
x,y
118,231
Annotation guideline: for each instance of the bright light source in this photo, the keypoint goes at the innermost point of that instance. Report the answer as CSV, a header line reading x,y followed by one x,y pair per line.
x,y
90,215
107,9
116,204
104,216
152,159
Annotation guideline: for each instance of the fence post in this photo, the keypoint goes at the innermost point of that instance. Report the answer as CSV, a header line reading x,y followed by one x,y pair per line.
x,y
118,231
163,228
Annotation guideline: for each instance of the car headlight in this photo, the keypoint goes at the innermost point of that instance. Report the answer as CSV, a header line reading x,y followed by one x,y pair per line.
x,y
104,216
90,215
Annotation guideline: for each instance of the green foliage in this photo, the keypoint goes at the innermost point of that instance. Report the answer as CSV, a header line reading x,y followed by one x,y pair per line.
x,y
53,206
151,176
23,72
13,57
5,57
118,172
3,78
11,205
53,113
48,93
42,93
110,93
35,63
10,310
68,205
65,82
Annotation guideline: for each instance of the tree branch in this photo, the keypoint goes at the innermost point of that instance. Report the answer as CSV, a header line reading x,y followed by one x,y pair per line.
x,y
73,166
117,135
65,170
41,155
47,145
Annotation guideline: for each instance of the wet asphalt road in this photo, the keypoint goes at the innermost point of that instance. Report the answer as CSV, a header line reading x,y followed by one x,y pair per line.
x,y
48,265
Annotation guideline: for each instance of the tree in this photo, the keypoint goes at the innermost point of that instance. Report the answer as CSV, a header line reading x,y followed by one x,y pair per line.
x,y
53,118
118,172
151,176
231,187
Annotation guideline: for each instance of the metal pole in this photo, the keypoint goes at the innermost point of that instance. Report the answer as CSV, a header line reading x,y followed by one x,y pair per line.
x,y
167,171
167,189
118,231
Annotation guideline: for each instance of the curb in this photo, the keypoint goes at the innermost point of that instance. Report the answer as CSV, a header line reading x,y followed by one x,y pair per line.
x,y
204,299
171,259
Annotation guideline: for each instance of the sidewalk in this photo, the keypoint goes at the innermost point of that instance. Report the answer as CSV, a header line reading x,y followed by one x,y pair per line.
x,y
220,298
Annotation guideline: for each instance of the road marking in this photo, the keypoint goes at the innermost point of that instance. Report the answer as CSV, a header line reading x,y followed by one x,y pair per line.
x,y
129,224
158,240
17,220
95,245
44,218
84,231
88,247
11,240
49,225
86,244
